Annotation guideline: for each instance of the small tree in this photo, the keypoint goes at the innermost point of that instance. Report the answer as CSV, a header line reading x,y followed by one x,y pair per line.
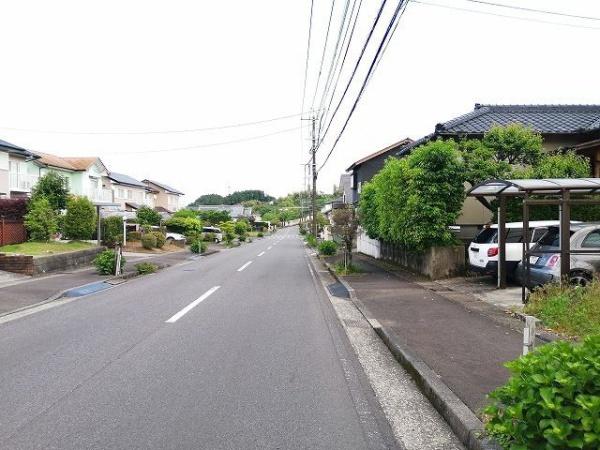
x,y
40,221
147,216
344,226
80,219
112,231
228,229
54,188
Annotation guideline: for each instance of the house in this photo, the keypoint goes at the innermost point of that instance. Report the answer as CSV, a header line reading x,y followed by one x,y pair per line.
x,y
18,173
166,198
364,169
130,193
235,211
562,127
87,176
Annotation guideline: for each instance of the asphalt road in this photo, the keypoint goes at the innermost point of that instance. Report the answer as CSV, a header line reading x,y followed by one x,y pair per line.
x,y
239,350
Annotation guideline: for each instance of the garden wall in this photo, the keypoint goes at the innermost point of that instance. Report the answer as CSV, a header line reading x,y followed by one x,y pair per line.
x,y
435,262
12,232
28,265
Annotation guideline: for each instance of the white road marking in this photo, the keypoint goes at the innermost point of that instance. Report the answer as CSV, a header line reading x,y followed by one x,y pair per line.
x,y
244,266
192,305
261,253
270,247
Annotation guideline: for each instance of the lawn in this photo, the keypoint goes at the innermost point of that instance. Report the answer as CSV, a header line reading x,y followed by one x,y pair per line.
x,y
574,311
45,248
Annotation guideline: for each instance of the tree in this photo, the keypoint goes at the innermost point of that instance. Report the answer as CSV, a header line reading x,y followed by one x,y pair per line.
x,y
514,143
344,226
367,210
208,199
40,221
147,216
214,217
187,213
112,230
54,188
228,229
80,219
481,162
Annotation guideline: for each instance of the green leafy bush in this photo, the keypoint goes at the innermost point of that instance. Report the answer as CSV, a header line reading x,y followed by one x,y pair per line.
x,y
311,240
209,237
161,239
106,262
573,310
242,237
327,248
80,219
149,240
184,225
147,216
134,236
241,227
112,231
552,399
260,234
198,246
40,221
144,268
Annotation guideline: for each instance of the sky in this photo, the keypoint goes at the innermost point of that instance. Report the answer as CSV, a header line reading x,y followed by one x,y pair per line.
x,y
122,79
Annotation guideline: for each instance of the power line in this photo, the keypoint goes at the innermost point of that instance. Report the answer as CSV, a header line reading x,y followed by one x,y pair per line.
x,y
358,61
323,55
191,130
541,11
506,16
400,8
213,144
312,4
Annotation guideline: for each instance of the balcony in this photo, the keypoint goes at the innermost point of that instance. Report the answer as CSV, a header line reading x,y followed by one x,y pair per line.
x,y
22,182
102,195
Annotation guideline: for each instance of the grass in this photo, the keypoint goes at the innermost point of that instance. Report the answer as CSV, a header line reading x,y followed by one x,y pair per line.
x,y
44,248
571,310
341,270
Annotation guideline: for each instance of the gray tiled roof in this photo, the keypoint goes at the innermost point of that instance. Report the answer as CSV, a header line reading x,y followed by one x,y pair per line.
x,y
546,119
164,186
125,179
15,149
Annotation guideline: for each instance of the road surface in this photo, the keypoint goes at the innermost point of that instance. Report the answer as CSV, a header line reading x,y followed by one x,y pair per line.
x,y
239,350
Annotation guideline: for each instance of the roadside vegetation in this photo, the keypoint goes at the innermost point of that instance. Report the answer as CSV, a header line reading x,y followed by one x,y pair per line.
x,y
574,311
106,262
551,401
145,268
45,248
327,248
346,269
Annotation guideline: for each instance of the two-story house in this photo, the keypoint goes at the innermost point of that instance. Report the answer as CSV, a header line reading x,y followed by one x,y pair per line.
x,y
166,198
129,193
18,172
86,176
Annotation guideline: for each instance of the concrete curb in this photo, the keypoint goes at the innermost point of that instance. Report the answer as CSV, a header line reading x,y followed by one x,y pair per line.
x,y
465,424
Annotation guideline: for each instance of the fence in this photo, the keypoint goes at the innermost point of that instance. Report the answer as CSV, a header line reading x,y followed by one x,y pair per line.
x,y
366,245
12,232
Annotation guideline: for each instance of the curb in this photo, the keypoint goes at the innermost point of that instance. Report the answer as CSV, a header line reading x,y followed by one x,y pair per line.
x,y
465,424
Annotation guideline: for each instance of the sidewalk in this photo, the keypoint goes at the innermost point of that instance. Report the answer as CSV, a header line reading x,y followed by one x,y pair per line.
x,y
464,346
30,291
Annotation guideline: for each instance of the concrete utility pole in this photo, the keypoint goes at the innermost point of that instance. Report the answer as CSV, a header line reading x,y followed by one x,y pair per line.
x,y
314,177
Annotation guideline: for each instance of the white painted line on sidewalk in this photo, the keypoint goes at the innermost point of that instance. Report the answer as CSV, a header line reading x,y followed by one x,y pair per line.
x,y
261,253
244,266
270,247
192,305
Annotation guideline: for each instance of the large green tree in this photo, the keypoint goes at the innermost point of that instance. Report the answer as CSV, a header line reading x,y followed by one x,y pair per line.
x,y
54,188
80,219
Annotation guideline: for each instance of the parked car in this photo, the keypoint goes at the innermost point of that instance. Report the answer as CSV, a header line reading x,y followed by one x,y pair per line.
x,y
483,250
545,267
174,237
216,231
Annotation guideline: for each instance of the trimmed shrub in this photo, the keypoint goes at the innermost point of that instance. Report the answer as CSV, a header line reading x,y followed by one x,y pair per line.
x,y
327,248
161,239
134,236
106,262
144,268
80,219
552,399
184,225
198,246
40,221
112,231
147,216
149,241
260,234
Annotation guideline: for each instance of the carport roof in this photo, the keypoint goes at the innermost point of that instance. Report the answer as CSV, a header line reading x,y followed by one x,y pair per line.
x,y
516,188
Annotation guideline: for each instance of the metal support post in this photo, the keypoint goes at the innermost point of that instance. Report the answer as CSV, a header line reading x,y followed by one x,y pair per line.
x,y
529,334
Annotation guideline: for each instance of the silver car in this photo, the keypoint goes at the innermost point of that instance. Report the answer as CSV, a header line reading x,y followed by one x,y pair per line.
x,y
545,267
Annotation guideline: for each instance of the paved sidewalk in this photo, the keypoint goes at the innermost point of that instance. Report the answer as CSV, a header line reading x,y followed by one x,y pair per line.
x,y
464,346
28,292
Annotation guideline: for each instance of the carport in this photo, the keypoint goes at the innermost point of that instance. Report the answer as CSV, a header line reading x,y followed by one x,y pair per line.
x,y
564,192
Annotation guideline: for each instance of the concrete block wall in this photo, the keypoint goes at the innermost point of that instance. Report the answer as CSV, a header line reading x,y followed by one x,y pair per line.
x,y
435,263
29,265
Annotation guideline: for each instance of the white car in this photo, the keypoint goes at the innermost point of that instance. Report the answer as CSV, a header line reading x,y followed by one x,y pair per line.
x,y
216,231
174,237
483,251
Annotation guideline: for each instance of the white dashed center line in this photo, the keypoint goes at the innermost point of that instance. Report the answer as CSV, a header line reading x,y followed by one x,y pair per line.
x,y
195,303
244,266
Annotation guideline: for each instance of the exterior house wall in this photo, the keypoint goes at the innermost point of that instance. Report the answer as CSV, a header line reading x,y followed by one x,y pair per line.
x,y
22,175
4,189
128,194
165,200
68,174
365,172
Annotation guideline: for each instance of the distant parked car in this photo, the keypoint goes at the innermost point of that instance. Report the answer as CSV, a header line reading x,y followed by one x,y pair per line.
x,y
216,231
483,251
545,267
174,237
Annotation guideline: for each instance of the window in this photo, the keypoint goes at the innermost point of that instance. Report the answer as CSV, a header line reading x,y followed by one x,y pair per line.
x,y
121,193
592,240
129,194
514,235
538,233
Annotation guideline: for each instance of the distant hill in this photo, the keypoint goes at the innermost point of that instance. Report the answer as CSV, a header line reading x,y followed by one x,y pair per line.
x,y
232,199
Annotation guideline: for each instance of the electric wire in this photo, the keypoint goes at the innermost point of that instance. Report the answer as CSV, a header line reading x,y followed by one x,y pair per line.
x,y
312,105
312,4
541,11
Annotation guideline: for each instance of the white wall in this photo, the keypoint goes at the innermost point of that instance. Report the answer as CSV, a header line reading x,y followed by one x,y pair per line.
x,y
366,245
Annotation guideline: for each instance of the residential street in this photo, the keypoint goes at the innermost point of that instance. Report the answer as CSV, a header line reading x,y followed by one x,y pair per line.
x,y
238,350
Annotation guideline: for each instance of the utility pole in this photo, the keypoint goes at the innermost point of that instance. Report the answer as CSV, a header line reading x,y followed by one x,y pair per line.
x,y
314,176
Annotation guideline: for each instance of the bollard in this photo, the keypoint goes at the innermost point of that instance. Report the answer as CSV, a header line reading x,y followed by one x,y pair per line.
x,y
529,334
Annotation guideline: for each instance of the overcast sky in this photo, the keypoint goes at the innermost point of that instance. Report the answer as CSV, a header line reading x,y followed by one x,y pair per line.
x,y
137,66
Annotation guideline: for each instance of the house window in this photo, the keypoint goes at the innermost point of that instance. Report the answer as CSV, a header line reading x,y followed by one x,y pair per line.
x,y
121,193
129,194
